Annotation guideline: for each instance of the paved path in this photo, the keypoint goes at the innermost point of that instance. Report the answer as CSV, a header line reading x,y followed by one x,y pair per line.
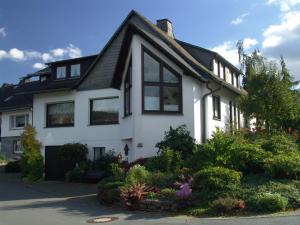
x,y
58,203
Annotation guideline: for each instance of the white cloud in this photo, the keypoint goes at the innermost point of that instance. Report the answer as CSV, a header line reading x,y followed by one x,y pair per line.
x,y
229,51
285,5
249,43
3,32
71,51
3,54
16,54
39,66
288,29
58,52
239,19
284,39
46,57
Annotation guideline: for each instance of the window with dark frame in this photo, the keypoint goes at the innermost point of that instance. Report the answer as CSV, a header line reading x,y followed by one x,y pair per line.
x,y
60,114
19,121
61,72
232,78
237,81
17,148
162,86
99,152
104,111
75,70
216,107
128,91
234,115
230,113
238,118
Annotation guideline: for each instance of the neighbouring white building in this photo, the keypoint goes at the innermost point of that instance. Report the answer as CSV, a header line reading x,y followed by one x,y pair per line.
x,y
140,84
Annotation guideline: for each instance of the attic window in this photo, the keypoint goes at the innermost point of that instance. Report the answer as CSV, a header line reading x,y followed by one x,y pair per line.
x,y
61,72
75,70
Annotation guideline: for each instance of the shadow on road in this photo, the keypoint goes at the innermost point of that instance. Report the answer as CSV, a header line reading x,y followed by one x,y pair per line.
x,y
65,198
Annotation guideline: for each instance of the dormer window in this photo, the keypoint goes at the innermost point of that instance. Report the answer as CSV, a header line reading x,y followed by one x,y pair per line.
x,y
61,72
75,70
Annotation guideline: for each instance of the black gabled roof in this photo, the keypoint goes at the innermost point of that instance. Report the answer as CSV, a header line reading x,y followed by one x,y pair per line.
x,y
72,59
206,55
198,58
48,86
9,100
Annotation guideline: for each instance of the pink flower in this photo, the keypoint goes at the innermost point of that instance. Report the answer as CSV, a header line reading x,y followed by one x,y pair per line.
x,y
185,191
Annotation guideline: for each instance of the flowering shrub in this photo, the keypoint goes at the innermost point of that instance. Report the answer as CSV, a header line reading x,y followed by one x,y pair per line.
x,y
185,191
228,205
133,195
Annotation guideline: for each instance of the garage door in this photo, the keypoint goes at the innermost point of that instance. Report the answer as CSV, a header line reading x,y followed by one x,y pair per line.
x,y
55,166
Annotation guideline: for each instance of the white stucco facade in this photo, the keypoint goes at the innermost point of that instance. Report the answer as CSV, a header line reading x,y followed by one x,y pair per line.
x,y
107,136
6,129
140,131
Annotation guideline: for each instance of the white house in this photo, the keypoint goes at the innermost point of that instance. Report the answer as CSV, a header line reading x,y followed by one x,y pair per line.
x,y
140,84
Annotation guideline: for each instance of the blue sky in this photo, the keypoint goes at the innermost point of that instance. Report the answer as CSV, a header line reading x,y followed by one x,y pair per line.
x,y
33,32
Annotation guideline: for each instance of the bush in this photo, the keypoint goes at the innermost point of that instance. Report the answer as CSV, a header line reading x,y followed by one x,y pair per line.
x,y
199,211
283,165
168,161
74,152
2,158
168,194
74,175
221,150
117,172
108,192
287,189
216,179
104,162
137,175
152,195
178,139
162,180
252,158
32,163
132,196
112,196
280,143
267,202
227,205
140,161
13,167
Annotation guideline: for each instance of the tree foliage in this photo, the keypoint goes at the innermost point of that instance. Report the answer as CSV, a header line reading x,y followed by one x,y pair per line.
x,y
270,97
32,161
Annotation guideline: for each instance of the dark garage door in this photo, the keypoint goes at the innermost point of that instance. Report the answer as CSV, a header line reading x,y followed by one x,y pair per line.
x,y
55,166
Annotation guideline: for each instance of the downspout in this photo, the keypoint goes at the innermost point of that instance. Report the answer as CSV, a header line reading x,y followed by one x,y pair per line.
x,y
211,91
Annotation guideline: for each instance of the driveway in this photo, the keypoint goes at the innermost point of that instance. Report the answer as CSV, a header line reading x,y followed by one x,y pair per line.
x,y
59,203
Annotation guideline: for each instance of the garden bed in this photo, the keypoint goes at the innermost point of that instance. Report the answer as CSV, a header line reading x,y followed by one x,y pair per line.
x,y
232,174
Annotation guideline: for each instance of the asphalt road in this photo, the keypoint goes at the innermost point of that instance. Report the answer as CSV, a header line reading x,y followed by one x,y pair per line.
x,y
58,203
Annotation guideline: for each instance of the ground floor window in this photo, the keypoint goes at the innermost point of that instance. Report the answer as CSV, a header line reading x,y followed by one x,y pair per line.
x,y
216,107
104,111
99,152
17,148
19,121
60,114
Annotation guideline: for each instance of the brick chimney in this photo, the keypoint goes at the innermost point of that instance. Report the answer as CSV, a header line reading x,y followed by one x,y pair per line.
x,y
166,26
